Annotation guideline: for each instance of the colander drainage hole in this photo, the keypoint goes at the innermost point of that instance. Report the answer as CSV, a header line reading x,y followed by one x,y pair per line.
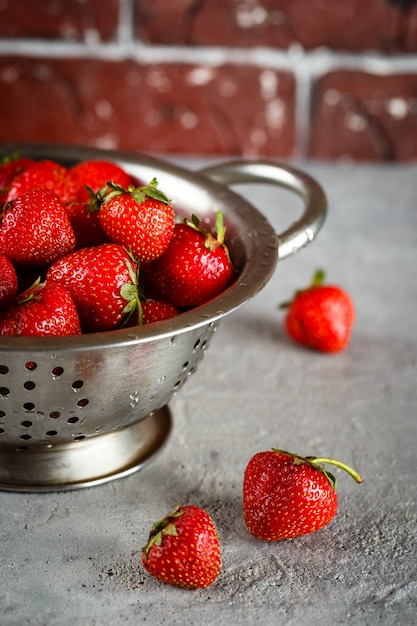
x,y
26,424
4,392
77,384
31,365
57,372
29,385
28,406
200,344
4,369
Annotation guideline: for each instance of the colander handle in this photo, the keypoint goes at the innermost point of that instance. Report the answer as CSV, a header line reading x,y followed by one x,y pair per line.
x,y
304,230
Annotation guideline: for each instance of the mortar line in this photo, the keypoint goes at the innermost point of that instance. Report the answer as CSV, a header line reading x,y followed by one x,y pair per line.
x,y
320,61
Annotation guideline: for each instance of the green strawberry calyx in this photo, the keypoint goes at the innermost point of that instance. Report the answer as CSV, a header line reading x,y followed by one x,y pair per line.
x,y
212,240
93,202
139,194
318,464
9,158
130,292
163,527
32,294
318,280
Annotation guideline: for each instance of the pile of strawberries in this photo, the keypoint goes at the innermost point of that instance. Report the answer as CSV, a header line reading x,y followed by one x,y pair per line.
x,y
89,249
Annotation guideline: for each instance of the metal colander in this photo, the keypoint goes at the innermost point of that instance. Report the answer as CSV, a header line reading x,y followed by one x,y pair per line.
x,y
77,411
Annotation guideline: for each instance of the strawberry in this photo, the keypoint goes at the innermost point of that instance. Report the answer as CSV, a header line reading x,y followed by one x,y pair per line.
x,y
102,282
94,174
46,174
44,310
183,549
10,167
139,218
286,495
194,268
320,317
156,311
8,282
34,228
83,217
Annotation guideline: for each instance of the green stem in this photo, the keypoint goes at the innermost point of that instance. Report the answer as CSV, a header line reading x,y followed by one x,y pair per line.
x,y
349,470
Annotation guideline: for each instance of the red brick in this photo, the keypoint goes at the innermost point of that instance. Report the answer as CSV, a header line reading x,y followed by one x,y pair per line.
x,y
60,19
364,116
179,108
353,25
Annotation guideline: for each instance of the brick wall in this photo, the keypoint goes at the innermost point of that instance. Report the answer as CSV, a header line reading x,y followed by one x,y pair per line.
x,y
325,79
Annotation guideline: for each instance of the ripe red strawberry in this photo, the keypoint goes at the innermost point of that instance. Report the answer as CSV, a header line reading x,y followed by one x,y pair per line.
x,y
8,282
10,167
286,495
102,282
139,218
43,310
183,549
156,311
84,219
321,317
34,228
46,174
95,174
194,268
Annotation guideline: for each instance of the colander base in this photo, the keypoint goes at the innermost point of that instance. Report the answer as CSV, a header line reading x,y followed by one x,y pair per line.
x,y
86,463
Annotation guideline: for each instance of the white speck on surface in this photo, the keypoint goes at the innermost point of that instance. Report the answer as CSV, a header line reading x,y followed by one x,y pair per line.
x,y
91,36
275,114
355,122
268,81
157,79
10,74
227,88
104,109
201,75
277,17
332,97
109,141
189,120
397,108
250,16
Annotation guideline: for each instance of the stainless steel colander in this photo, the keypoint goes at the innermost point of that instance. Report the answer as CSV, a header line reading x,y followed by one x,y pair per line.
x,y
79,411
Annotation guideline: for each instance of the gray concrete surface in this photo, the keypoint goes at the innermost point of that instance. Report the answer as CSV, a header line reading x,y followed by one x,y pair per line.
x,y
74,557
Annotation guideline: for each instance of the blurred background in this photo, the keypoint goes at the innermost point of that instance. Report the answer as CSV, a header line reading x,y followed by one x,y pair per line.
x,y
320,79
